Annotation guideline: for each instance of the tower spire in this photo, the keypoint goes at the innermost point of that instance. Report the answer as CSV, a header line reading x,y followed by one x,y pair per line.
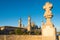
x,y
20,23
29,23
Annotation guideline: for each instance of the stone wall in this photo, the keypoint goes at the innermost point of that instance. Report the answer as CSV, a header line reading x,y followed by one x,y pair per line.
x,y
20,37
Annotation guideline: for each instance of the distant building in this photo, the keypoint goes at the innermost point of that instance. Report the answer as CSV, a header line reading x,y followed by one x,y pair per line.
x,y
7,29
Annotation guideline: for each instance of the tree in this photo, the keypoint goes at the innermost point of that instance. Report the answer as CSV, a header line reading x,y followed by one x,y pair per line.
x,y
18,32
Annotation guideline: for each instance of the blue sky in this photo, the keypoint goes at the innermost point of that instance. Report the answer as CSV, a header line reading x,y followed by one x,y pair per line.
x,y
12,10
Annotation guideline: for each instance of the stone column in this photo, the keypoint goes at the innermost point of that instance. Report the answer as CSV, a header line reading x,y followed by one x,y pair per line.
x,y
48,29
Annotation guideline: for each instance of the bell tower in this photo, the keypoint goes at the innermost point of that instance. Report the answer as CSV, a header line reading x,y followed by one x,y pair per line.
x,y
29,24
20,23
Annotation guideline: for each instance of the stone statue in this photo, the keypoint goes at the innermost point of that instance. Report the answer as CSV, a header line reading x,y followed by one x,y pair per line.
x,y
48,29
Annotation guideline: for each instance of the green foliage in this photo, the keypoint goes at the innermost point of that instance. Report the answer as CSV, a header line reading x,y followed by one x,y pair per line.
x,y
18,32
11,32
37,33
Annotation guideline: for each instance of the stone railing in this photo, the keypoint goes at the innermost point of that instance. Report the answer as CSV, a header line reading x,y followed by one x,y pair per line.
x,y
20,37
24,37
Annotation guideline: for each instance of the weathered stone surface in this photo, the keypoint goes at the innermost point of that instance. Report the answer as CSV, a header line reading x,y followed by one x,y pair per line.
x,y
48,38
21,37
25,37
1,37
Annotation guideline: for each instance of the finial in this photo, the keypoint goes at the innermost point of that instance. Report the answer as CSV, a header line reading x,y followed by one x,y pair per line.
x,y
20,20
29,18
47,6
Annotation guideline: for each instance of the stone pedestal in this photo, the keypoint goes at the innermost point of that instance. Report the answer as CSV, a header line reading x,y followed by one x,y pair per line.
x,y
48,33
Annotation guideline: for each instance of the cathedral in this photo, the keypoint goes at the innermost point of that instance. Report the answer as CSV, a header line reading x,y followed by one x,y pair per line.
x,y
31,27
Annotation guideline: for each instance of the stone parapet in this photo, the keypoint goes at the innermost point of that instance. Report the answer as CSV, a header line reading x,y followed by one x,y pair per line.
x,y
20,37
